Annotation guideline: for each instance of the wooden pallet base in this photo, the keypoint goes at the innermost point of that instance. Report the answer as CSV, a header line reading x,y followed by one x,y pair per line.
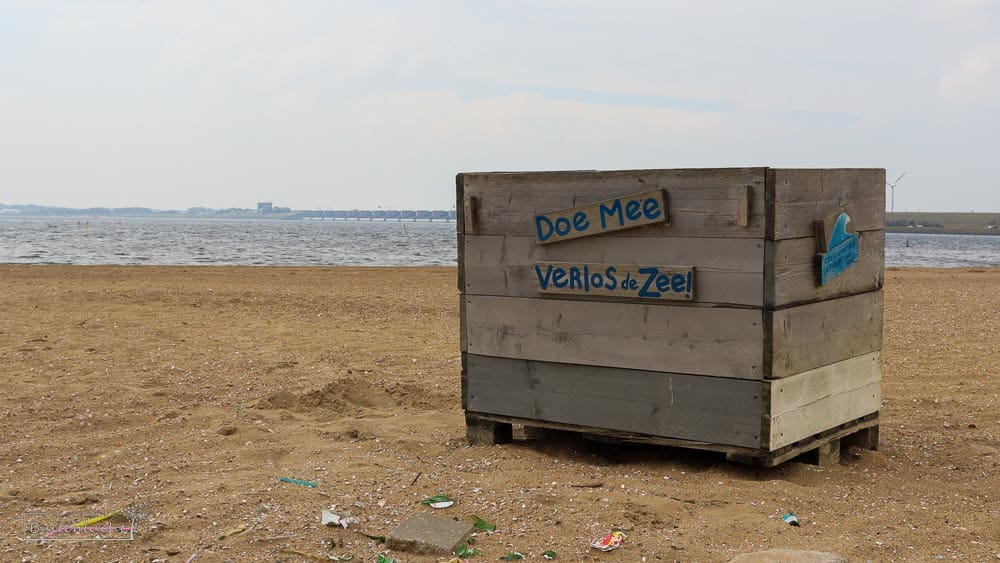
x,y
820,449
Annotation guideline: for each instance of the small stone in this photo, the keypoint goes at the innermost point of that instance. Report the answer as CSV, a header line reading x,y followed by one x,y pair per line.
x,y
173,551
227,430
426,534
789,556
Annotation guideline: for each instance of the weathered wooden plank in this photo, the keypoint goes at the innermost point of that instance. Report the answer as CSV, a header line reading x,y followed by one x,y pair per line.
x,y
711,409
816,400
729,270
702,202
619,281
791,276
460,226
719,342
799,197
813,335
600,217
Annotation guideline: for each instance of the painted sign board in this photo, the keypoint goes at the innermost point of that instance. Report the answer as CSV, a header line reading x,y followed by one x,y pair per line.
x,y
838,249
615,214
675,283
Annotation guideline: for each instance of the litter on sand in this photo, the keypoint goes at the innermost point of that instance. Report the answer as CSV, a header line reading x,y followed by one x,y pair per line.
x,y
791,519
342,519
483,525
611,541
237,530
300,482
513,556
371,537
549,554
438,501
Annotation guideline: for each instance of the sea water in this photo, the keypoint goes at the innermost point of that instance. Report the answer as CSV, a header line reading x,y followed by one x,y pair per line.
x,y
177,241
225,242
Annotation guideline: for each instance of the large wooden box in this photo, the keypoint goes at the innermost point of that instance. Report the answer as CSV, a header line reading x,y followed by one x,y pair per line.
x,y
764,344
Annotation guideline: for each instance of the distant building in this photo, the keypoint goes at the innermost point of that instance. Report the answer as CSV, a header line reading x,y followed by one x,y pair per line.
x,y
265,207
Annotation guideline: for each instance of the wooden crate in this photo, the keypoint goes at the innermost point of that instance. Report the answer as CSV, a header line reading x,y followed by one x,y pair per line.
x,y
752,324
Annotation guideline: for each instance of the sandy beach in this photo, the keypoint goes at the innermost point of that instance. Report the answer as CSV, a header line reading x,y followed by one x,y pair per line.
x,y
188,392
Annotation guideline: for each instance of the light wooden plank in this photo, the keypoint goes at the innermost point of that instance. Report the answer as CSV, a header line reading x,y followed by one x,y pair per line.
x,y
695,340
813,335
743,208
702,202
799,197
710,409
816,400
617,281
600,217
792,278
729,270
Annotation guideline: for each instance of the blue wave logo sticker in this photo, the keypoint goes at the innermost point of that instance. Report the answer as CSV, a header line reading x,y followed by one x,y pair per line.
x,y
840,250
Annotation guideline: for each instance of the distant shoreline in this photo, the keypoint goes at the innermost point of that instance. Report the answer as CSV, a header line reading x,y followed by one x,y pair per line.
x,y
933,231
930,223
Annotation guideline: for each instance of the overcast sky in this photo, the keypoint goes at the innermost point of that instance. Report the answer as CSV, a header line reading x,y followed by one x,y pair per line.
x,y
172,104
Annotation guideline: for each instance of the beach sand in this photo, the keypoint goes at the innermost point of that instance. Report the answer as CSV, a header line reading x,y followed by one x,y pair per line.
x,y
191,390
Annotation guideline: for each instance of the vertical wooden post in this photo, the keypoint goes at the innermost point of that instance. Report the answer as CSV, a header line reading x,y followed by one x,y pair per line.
x,y
866,439
743,208
488,432
825,455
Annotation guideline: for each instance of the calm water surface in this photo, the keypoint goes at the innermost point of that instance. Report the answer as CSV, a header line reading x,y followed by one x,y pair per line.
x,y
223,241
56,240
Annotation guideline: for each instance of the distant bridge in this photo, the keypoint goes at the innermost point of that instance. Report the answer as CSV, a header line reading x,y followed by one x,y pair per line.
x,y
376,215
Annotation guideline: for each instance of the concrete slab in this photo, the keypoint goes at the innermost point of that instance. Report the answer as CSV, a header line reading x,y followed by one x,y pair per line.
x,y
426,534
789,556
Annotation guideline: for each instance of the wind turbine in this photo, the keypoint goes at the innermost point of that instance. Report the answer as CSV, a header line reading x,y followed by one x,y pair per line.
x,y
892,191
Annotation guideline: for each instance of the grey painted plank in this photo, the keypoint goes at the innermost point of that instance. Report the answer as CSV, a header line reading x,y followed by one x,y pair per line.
x,y
702,202
719,342
791,272
709,409
798,197
813,335
730,271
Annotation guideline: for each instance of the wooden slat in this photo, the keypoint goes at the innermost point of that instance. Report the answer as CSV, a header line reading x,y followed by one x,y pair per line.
x,y
460,227
695,340
814,335
816,400
710,409
791,276
615,281
729,270
743,208
702,202
600,217
799,197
